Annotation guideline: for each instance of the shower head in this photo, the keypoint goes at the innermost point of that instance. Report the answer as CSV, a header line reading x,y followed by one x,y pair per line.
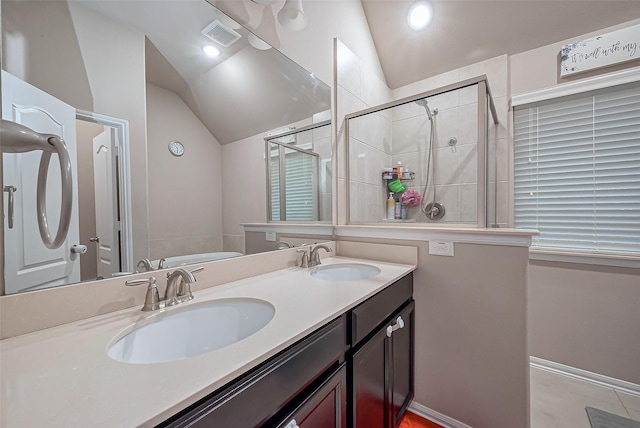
x,y
424,103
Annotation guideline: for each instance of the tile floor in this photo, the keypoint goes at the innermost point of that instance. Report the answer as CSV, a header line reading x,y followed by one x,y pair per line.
x,y
558,401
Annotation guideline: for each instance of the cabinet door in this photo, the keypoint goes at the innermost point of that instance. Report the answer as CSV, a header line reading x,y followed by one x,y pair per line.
x,y
369,383
402,364
326,407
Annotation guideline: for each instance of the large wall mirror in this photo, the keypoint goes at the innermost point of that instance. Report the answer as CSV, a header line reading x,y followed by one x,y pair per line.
x,y
164,107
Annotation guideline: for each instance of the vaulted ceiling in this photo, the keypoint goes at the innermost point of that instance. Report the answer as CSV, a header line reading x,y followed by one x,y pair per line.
x,y
463,32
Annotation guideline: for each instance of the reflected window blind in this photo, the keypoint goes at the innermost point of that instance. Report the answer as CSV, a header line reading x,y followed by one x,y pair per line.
x,y
299,186
275,186
577,170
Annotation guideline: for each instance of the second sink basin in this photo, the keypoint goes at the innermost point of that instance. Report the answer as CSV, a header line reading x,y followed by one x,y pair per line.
x,y
197,329
345,272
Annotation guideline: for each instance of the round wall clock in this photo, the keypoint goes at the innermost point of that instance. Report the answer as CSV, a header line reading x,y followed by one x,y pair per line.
x,y
176,148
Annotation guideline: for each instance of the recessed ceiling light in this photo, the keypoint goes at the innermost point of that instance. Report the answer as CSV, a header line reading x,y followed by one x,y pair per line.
x,y
419,15
211,51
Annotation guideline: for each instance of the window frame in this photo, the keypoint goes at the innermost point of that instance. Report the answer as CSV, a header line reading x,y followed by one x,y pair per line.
x,y
619,259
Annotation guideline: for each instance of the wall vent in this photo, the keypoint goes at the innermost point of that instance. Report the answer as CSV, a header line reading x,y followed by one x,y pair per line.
x,y
221,34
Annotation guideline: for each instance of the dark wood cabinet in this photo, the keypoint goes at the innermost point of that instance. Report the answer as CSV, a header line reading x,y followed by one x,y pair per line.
x,y
356,371
257,397
382,366
368,383
401,361
326,407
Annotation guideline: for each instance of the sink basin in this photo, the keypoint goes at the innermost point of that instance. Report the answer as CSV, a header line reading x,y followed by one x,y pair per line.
x,y
345,272
194,330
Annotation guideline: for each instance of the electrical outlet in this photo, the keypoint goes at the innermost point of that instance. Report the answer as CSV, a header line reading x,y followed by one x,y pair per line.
x,y
441,248
270,236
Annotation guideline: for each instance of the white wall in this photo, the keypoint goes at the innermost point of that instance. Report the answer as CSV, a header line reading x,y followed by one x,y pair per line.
x,y
114,59
580,315
185,193
245,189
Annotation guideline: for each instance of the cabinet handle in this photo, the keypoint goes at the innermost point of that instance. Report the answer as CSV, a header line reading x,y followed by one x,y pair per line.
x,y
399,324
292,424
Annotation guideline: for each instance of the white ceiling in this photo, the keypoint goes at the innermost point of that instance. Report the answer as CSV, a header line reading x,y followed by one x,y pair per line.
x,y
463,32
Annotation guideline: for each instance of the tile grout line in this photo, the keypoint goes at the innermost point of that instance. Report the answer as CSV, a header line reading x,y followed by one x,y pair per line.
x,y
626,409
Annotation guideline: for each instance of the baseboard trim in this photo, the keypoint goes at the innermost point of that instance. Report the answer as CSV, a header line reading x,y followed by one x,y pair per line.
x,y
442,420
587,376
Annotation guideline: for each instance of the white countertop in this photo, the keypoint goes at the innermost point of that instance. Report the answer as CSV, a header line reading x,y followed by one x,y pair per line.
x,y
63,377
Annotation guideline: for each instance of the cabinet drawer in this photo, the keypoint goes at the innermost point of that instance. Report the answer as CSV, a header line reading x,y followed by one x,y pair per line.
x,y
258,396
375,310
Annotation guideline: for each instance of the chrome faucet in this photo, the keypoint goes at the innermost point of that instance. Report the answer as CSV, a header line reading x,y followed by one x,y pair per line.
x,y
175,293
161,263
145,264
171,292
314,257
283,245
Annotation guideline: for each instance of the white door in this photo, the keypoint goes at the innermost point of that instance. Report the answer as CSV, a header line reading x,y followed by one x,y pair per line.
x,y
29,265
104,161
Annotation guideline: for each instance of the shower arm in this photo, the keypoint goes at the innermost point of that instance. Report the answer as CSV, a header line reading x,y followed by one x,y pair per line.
x,y
17,138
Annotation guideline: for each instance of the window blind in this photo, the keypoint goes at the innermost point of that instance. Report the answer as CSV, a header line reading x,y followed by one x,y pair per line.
x,y
275,185
300,203
299,173
577,170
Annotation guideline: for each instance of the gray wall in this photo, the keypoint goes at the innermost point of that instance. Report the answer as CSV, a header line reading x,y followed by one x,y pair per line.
x,y
471,333
586,316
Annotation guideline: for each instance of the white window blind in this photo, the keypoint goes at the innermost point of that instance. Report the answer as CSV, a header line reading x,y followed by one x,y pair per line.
x,y
299,174
300,202
577,170
275,185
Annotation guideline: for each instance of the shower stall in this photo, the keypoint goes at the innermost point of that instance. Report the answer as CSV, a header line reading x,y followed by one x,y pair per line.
x,y
298,165
431,156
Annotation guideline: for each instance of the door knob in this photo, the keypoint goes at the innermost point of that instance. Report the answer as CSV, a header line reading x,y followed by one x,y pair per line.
x,y
79,249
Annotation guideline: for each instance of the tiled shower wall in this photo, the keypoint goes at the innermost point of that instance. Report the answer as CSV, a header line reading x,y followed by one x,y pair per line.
x,y
370,147
497,72
455,166
322,145
385,138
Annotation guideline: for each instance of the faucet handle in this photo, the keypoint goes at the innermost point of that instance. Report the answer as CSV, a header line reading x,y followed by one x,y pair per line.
x,y
161,263
304,262
152,298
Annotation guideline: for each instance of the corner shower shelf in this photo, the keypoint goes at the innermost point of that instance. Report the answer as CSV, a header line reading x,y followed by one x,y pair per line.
x,y
406,176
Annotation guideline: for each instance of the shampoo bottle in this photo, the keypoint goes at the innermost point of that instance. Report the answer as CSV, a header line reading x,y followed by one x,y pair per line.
x,y
390,207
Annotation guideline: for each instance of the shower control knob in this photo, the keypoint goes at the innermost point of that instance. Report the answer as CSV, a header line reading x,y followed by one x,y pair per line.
x,y
79,249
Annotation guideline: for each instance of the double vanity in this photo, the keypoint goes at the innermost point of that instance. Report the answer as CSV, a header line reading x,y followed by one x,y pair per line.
x,y
330,345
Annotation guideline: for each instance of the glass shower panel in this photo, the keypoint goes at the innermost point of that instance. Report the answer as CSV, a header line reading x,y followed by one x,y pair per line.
x,y
425,153
492,168
299,174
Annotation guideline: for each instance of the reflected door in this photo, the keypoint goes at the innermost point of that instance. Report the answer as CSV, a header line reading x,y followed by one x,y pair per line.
x,y
104,161
29,265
